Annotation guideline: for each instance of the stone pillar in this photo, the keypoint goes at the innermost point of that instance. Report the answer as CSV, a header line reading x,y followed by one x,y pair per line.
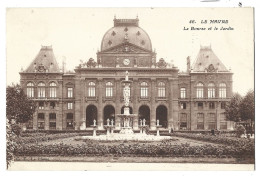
x,y
46,121
135,105
173,104
35,120
117,108
100,107
77,107
218,110
153,105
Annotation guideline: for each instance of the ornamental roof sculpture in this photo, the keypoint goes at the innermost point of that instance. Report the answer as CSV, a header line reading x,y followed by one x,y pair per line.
x,y
44,62
207,61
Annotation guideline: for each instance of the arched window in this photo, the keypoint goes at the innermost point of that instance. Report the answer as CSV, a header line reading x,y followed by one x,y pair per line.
x,y
161,89
211,90
41,90
144,90
200,91
91,89
30,90
109,89
222,90
53,90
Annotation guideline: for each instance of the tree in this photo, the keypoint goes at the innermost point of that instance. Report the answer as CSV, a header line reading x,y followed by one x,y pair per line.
x,y
247,106
18,106
233,108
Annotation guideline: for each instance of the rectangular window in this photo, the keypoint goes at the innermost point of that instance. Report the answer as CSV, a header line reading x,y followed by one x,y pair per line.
x,y
30,92
222,93
183,105
183,92
53,92
52,122
41,121
200,121
223,105
212,121
41,105
30,124
144,92
41,92
70,105
211,92
200,105
161,92
91,91
183,121
52,105
109,91
211,105
200,92
70,92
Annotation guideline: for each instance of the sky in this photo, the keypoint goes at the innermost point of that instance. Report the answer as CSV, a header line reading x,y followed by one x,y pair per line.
x,y
76,34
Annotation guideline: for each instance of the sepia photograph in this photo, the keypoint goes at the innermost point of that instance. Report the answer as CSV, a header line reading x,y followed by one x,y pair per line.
x,y
130,86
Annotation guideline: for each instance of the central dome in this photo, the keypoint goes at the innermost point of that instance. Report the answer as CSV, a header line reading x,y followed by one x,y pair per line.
x,y
126,30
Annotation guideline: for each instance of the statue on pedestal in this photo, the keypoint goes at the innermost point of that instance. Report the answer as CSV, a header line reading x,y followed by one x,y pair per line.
x,y
108,122
94,121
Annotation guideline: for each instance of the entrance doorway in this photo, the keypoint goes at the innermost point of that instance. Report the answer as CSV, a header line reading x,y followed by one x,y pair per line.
x,y
109,113
144,113
161,115
91,114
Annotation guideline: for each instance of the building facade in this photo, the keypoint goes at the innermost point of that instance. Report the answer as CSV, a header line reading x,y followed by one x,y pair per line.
x,y
191,100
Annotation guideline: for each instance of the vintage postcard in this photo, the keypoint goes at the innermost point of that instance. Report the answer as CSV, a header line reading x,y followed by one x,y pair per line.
x,y
130,88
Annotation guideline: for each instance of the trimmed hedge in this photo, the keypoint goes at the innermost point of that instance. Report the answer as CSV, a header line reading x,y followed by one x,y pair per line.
x,y
164,149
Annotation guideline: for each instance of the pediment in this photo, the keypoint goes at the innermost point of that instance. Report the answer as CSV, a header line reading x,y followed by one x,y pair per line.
x,y
126,48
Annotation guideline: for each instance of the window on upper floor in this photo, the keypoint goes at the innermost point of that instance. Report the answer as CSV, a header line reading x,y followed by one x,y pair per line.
x,y
161,89
41,105
70,92
41,90
211,90
199,90
183,92
109,89
70,105
222,90
144,90
53,90
183,105
223,105
211,105
200,105
52,104
91,89
30,90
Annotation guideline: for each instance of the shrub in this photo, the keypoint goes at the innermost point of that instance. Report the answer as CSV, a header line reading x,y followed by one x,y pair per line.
x,y
240,130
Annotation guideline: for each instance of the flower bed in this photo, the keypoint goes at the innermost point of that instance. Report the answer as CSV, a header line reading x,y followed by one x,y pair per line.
x,y
41,137
217,139
163,149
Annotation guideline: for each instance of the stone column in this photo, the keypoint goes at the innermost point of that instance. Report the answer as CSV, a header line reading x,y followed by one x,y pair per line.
x,y
117,108
46,121
100,107
153,105
35,120
173,104
135,88
77,107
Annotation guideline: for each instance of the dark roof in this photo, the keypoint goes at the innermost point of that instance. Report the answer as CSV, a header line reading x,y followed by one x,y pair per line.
x,y
44,61
206,60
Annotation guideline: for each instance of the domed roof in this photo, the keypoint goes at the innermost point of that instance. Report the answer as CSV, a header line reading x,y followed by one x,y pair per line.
x,y
126,30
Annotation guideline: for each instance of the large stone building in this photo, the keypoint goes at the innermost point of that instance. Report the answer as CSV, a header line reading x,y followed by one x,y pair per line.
x,y
191,100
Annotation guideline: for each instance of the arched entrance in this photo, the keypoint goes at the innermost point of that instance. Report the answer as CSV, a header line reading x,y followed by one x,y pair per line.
x,y
144,113
91,114
109,113
130,110
161,115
